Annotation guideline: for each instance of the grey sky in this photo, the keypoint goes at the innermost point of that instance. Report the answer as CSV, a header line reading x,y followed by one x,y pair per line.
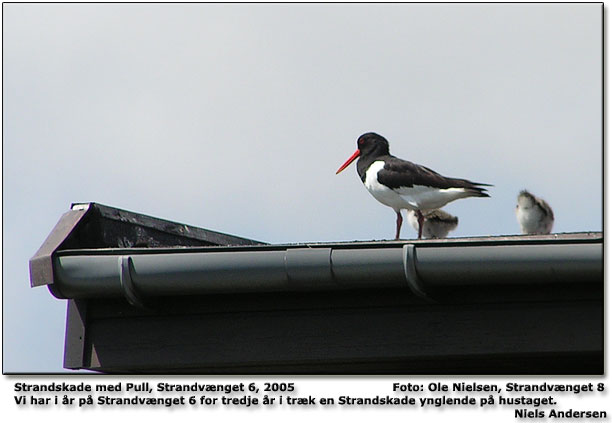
x,y
235,118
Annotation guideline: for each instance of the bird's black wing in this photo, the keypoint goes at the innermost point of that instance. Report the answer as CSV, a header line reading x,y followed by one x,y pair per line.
x,y
401,173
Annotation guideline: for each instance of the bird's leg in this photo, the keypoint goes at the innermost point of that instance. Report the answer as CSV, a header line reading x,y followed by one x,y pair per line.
x,y
398,224
421,220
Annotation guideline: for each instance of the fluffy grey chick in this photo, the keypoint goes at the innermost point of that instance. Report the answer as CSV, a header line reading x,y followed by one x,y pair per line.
x,y
534,215
437,223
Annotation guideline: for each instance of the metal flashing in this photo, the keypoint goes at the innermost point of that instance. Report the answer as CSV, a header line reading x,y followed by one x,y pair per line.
x,y
41,265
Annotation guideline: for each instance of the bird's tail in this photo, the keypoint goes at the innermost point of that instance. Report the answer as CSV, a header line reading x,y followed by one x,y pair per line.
x,y
478,191
475,189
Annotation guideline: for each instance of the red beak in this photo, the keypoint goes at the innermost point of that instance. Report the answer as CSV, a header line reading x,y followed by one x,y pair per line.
x,y
349,161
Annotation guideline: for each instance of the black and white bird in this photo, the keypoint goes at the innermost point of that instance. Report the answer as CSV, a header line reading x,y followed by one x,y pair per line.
x,y
534,215
436,223
401,184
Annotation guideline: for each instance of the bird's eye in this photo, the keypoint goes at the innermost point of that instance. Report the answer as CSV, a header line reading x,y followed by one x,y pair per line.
x,y
360,141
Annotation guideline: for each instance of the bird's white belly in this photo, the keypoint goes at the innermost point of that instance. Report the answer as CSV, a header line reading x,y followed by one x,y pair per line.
x,y
412,198
531,220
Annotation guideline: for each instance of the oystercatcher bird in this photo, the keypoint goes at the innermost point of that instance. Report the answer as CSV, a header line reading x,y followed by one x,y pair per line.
x,y
534,215
436,223
401,184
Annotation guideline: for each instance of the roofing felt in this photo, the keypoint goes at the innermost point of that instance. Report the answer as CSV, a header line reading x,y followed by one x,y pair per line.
x,y
96,226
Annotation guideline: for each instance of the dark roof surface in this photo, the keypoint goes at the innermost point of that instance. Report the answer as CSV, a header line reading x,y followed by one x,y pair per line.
x,y
96,226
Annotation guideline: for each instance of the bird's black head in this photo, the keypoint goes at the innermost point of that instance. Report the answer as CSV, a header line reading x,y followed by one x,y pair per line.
x,y
369,146
372,144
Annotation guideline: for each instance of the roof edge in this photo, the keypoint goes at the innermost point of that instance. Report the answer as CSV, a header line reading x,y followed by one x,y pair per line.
x,y
94,225
41,264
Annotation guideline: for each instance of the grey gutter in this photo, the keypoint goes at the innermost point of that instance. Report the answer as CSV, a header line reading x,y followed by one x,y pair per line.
x,y
420,268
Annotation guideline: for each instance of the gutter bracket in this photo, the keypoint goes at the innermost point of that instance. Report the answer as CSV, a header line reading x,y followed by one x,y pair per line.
x,y
127,284
415,283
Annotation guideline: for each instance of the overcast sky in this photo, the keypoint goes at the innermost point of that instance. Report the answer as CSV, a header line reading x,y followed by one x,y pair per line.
x,y
236,117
